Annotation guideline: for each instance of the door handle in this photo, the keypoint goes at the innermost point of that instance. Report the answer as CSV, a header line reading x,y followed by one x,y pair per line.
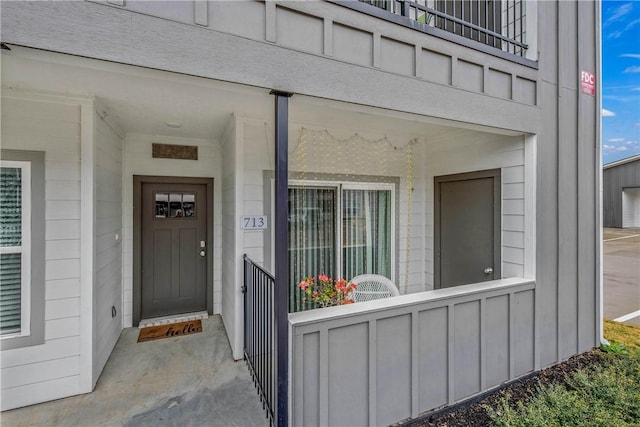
x,y
488,270
203,253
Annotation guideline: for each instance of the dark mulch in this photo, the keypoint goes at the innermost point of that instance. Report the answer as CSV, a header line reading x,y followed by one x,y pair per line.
x,y
473,414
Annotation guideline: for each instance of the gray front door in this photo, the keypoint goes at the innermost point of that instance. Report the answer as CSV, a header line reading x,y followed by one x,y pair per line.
x,y
174,249
467,228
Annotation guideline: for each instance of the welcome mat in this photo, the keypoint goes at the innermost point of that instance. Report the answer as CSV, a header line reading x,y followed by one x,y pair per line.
x,y
171,330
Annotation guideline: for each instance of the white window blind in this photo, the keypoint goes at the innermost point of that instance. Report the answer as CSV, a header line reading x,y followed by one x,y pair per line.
x,y
15,231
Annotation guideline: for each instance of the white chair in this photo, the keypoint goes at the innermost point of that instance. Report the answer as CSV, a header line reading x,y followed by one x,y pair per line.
x,y
373,286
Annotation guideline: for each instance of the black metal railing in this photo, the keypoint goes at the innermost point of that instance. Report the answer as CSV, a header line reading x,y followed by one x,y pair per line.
x,y
259,320
496,23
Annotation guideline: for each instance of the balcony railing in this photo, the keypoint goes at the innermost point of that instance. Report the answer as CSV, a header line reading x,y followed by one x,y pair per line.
x,y
496,23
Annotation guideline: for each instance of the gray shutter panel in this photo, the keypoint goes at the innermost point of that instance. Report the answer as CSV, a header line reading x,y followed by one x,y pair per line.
x,y
10,292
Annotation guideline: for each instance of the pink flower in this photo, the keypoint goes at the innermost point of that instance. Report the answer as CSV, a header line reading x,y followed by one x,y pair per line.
x,y
325,291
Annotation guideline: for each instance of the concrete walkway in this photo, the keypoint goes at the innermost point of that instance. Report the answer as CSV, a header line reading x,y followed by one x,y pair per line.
x,y
621,271
183,381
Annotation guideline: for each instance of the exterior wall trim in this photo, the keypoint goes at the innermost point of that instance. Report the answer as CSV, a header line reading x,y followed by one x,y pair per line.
x,y
310,317
621,162
87,245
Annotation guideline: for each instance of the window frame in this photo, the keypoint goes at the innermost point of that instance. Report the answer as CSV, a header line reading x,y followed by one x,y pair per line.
x,y
24,249
34,334
341,185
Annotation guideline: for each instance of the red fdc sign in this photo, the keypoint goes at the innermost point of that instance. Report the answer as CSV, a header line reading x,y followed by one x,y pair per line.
x,y
587,83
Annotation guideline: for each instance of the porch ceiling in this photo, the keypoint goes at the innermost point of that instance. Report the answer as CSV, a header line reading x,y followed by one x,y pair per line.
x,y
145,101
138,100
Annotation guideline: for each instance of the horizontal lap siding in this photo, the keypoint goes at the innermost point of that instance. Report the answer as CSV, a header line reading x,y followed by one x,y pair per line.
x,y
51,370
388,365
258,156
108,248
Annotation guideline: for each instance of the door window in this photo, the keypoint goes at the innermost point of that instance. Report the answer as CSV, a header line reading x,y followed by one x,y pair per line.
x,y
175,205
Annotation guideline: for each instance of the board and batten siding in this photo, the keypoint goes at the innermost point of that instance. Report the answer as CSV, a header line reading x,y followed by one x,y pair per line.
x,y
138,160
568,158
379,362
108,249
359,48
345,35
52,370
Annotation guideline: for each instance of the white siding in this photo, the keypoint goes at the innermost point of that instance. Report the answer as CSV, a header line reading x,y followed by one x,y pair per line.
x,y
138,161
231,262
108,250
52,370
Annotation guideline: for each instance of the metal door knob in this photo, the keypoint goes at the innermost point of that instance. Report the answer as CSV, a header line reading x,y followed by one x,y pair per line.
x,y
203,253
488,270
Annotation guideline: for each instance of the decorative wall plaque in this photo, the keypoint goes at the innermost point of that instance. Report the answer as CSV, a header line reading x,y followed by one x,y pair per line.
x,y
170,151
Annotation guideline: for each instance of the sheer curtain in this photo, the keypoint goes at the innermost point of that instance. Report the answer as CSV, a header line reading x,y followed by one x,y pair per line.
x,y
366,232
364,235
312,242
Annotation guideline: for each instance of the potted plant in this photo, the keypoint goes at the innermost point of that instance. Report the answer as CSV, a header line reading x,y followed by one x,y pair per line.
x,y
326,292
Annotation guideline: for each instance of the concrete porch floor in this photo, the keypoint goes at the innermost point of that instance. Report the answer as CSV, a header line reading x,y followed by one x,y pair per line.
x,y
183,381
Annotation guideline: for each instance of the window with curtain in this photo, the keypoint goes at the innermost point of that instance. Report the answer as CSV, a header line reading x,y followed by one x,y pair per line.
x,y
341,230
14,247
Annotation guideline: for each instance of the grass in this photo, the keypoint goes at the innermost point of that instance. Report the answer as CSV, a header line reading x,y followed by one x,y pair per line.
x,y
627,335
603,395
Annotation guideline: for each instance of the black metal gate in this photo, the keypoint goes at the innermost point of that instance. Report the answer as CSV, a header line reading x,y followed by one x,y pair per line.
x,y
259,350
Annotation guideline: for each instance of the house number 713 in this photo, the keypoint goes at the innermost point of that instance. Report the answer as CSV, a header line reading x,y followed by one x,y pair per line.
x,y
253,222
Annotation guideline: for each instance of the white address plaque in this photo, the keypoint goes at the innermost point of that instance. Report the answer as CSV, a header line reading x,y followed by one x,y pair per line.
x,y
253,222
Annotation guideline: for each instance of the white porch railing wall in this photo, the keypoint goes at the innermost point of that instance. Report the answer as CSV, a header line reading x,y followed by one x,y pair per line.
x,y
380,362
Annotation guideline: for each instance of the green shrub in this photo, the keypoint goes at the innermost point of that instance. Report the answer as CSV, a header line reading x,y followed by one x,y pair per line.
x,y
607,395
615,348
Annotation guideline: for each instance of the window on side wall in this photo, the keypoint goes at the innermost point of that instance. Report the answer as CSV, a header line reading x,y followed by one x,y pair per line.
x,y
21,248
341,230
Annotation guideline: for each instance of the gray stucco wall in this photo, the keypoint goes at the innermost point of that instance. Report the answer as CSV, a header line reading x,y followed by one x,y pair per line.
x,y
614,180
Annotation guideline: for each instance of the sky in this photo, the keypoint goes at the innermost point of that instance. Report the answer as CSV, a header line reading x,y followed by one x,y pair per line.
x,y
620,79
